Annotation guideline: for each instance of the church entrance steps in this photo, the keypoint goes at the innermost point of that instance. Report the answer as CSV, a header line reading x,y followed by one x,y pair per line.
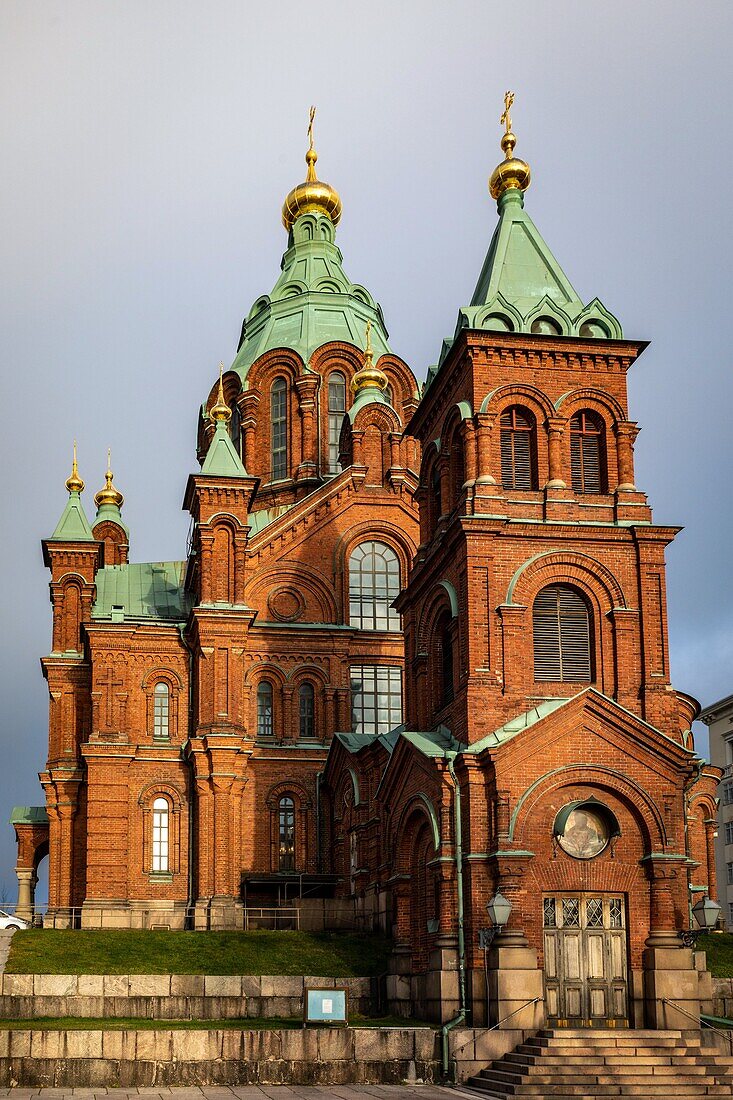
x,y
605,1063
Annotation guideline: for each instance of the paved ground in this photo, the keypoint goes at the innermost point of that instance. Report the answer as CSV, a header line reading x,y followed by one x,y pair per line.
x,y
250,1092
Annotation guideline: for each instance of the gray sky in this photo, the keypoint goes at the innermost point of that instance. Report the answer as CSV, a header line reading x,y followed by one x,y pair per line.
x,y
146,148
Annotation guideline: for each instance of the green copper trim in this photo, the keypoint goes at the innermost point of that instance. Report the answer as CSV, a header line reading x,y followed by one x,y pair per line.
x,y
73,525
28,815
112,514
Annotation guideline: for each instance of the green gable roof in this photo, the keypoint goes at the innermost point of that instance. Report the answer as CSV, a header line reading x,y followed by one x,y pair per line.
x,y
222,459
312,303
73,525
144,590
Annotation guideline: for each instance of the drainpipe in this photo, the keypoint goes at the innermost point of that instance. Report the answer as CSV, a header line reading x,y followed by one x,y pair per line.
x,y
457,828
698,764
191,900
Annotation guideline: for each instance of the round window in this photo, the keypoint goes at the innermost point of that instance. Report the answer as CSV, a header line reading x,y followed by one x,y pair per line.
x,y
585,834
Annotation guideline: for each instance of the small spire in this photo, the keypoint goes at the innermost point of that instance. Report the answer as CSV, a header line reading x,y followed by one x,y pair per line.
x,y
312,196
109,495
369,376
74,483
512,174
221,411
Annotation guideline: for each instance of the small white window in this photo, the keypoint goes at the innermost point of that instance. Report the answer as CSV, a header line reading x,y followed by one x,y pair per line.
x,y
729,868
161,710
727,794
160,834
729,832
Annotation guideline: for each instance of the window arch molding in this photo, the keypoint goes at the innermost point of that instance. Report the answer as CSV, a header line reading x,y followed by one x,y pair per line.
x,y
520,396
302,805
610,413
176,825
389,534
598,583
162,675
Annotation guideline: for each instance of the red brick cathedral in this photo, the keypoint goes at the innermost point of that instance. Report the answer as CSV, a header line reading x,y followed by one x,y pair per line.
x,y
413,660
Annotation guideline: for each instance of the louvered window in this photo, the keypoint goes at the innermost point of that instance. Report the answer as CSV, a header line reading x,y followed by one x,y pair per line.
x,y
446,654
561,626
279,426
586,458
517,449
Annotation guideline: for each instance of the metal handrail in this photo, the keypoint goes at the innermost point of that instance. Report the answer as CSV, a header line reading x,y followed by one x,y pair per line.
x,y
534,1001
698,1020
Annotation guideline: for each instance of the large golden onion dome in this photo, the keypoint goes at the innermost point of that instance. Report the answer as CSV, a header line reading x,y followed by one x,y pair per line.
x,y
512,173
109,494
74,483
313,195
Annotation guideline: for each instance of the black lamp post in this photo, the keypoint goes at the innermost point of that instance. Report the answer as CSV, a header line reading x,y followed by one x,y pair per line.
x,y
706,913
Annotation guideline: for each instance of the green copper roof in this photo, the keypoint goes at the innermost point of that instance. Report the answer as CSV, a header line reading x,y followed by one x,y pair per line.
x,y
370,395
312,303
111,513
145,590
28,815
222,459
73,525
519,724
522,287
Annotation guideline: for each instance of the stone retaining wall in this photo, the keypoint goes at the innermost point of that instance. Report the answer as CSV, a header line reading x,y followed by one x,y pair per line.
x,y
172,996
723,997
327,1056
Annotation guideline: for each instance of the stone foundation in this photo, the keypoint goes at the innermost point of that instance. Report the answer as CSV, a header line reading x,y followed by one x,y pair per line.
x,y
313,1056
172,996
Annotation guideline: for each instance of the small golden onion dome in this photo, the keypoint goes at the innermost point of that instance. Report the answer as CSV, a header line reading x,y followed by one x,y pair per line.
x,y
220,411
512,173
74,483
109,495
312,196
369,375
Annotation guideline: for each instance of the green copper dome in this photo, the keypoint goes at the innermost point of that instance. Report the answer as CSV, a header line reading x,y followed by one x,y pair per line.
x,y
312,303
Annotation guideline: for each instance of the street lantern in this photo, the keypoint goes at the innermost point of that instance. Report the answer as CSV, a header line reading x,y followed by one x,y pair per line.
x,y
499,909
706,913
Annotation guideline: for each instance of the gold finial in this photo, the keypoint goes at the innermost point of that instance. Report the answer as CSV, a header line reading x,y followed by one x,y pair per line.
x,y
109,495
221,411
369,375
74,483
313,195
512,174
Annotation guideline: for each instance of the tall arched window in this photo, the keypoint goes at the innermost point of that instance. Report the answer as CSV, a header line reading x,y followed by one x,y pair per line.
x,y
336,410
161,711
161,814
586,452
374,582
445,638
279,428
561,629
235,427
264,709
518,447
306,711
286,834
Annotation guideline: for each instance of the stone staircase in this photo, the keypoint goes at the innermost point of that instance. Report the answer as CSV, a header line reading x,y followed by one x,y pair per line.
x,y
565,1063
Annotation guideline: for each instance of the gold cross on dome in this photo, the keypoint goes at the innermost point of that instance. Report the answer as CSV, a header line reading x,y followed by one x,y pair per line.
x,y
310,127
506,118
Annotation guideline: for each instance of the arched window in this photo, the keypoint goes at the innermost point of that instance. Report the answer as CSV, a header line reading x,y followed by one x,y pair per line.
x,y
264,709
586,452
161,814
518,463
336,410
279,428
374,582
161,711
561,629
306,711
235,427
546,326
445,637
286,834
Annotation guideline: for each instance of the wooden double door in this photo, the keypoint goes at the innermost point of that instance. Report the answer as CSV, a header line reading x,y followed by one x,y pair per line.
x,y
586,968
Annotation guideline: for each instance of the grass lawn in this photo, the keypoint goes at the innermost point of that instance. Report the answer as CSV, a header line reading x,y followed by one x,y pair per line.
x,y
76,1023
317,954
718,947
